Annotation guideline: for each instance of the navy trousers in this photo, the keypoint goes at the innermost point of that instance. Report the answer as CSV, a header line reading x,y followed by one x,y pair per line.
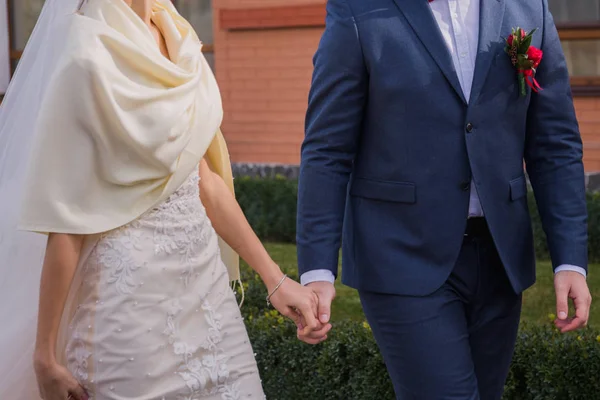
x,y
457,343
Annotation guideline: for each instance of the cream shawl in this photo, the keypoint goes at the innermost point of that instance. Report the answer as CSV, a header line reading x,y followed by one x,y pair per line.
x,y
121,127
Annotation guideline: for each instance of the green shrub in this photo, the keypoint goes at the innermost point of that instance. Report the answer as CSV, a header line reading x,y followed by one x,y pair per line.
x,y
541,246
270,206
348,366
594,226
288,367
547,365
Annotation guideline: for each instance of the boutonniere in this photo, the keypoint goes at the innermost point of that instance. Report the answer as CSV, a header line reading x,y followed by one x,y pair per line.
x,y
524,57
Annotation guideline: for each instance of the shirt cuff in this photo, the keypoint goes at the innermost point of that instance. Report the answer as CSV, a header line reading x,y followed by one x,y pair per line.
x,y
317,275
568,267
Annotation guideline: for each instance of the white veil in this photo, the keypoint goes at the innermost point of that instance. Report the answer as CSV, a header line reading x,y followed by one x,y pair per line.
x,y
21,253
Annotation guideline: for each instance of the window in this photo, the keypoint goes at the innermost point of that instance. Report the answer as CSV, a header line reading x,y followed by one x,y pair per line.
x,y
578,24
23,15
200,15
4,47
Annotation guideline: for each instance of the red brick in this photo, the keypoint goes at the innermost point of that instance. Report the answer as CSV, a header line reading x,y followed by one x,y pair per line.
x,y
241,53
584,115
249,137
585,103
592,165
282,16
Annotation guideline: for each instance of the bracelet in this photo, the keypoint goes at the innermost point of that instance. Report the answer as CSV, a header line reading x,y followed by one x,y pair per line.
x,y
274,290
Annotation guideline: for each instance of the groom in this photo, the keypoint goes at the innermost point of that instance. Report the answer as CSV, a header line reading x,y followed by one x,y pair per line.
x,y
416,133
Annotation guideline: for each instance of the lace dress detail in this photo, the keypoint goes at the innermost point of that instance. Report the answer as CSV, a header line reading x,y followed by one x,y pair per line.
x,y
157,318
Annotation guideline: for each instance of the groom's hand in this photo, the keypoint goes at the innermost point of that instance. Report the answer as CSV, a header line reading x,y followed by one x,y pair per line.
x,y
325,291
571,284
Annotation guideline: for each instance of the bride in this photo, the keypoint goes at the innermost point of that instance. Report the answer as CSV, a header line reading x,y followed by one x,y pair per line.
x,y
115,115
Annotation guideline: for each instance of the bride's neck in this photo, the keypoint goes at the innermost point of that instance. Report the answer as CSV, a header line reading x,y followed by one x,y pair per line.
x,y
143,8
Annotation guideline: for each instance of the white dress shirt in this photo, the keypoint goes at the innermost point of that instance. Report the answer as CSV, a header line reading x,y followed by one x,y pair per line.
x,y
458,21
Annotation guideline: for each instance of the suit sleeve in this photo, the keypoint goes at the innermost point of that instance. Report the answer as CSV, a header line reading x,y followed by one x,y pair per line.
x,y
333,124
553,155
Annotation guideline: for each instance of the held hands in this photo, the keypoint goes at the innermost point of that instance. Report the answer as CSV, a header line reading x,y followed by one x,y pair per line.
x,y
55,382
571,284
325,292
300,304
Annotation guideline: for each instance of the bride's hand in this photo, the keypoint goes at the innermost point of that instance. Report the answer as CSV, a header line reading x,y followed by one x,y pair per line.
x,y
55,382
300,304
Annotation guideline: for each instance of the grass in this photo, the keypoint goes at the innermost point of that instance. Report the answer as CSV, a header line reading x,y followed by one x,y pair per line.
x,y
538,303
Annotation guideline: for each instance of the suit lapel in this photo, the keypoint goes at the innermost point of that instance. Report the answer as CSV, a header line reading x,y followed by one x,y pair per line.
x,y
421,19
490,23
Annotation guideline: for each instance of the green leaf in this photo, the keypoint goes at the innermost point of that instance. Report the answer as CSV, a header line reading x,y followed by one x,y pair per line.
x,y
523,62
525,44
516,40
532,32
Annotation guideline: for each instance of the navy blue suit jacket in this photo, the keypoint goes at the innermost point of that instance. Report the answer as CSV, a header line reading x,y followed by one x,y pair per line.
x,y
391,146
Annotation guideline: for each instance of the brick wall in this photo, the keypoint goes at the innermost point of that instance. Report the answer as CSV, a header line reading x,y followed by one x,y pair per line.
x,y
263,53
264,76
588,113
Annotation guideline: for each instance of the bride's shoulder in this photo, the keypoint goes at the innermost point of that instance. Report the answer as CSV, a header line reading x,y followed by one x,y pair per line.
x,y
82,49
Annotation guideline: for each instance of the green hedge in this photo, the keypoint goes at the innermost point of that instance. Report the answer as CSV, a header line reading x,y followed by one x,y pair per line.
x,y
348,366
270,206
541,246
547,365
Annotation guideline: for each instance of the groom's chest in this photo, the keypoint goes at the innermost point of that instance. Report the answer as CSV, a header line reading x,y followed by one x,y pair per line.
x,y
397,55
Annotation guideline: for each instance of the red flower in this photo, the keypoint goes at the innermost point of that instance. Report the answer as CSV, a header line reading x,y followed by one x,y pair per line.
x,y
535,55
509,40
524,57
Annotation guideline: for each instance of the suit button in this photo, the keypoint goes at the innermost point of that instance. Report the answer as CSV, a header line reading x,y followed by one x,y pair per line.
x,y
465,186
469,127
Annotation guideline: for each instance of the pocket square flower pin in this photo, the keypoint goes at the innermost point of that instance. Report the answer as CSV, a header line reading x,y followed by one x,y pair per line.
x,y
525,58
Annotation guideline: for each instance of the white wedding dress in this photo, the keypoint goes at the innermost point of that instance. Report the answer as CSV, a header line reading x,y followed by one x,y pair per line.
x,y
96,128
155,315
